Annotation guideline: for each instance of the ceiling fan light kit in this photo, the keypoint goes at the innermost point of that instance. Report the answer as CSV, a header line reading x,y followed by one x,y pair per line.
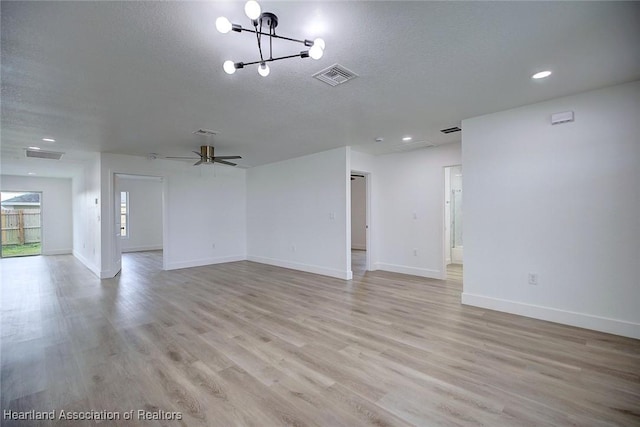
x,y
268,22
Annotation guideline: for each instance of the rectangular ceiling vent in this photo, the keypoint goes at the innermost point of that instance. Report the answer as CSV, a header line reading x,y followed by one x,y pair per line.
x,y
205,132
451,130
335,75
41,154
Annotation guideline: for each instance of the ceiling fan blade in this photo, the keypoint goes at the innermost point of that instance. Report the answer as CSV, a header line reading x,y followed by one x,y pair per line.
x,y
227,157
186,158
199,154
199,162
224,162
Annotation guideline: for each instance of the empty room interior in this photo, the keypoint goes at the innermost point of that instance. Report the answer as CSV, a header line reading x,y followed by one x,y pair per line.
x,y
344,213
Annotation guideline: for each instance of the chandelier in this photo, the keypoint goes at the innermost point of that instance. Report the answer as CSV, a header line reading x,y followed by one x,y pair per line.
x,y
264,24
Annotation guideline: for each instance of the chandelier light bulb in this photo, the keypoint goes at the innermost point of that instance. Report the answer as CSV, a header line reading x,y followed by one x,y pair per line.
x,y
229,67
223,25
319,42
316,51
252,9
263,69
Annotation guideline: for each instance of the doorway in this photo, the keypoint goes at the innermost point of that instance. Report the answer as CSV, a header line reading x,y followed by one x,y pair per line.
x,y
360,238
21,223
453,220
138,217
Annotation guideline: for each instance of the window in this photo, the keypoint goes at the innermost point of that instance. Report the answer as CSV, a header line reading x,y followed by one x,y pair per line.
x,y
124,214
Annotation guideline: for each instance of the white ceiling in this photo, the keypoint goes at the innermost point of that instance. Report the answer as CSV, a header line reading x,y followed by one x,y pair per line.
x,y
140,77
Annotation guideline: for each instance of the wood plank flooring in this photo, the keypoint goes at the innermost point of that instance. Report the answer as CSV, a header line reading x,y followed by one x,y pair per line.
x,y
454,272
249,344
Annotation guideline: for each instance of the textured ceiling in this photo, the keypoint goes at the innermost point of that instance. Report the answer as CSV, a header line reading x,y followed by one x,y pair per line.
x,y
140,77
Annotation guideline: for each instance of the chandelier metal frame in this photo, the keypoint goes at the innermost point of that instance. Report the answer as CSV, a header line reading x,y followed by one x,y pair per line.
x,y
264,24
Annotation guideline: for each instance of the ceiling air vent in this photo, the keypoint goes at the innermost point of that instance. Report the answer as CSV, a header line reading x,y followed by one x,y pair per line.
x,y
451,130
205,132
41,154
335,75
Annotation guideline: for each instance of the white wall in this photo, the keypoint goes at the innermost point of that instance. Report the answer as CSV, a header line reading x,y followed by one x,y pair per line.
x,y
358,213
561,201
145,213
204,210
298,211
86,215
409,210
57,230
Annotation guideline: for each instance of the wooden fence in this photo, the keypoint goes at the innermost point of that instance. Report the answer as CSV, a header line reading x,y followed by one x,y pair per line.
x,y
21,226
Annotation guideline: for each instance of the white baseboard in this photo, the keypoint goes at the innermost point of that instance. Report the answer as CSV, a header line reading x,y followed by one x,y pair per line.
x,y
86,263
340,274
581,320
58,252
203,261
358,247
414,271
142,248
108,274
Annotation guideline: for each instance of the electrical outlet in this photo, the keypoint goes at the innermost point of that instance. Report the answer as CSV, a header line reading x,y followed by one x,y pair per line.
x,y
332,216
293,248
213,246
415,215
415,251
533,279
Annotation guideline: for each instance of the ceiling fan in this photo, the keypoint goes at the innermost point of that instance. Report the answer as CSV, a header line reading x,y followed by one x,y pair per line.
x,y
208,158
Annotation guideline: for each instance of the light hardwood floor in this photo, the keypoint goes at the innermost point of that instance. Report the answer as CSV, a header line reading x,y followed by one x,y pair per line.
x,y
454,273
249,344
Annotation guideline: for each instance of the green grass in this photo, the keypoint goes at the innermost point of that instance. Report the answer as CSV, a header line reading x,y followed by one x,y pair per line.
x,y
20,250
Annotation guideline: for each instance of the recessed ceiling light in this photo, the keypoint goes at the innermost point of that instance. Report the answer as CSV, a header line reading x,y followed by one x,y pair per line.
x,y
34,148
31,173
541,75
407,138
49,139
379,139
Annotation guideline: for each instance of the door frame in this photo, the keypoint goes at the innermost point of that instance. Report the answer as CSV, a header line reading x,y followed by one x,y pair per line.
x,y
368,232
111,212
445,170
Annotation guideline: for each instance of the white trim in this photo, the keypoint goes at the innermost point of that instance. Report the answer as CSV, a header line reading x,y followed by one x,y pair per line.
x,y
414,271
358,247
369,265
57,252
331,272
86,262
142,248
581,320
108,274
204,261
